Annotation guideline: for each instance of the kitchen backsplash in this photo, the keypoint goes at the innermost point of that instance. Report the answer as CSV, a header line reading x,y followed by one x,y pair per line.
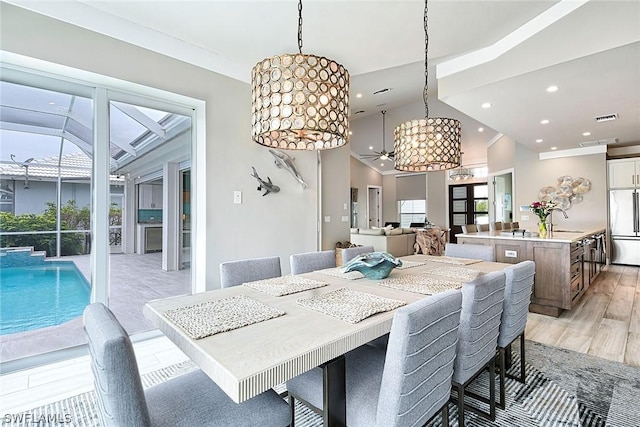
x,y
150,216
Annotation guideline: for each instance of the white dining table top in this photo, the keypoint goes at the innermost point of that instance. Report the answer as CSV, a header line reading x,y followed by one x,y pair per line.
x,y
247,361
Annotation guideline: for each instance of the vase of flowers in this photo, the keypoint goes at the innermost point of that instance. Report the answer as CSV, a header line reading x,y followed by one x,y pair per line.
x,y
542,210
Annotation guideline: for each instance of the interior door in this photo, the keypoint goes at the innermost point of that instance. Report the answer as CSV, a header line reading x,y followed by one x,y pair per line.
x,y
374,204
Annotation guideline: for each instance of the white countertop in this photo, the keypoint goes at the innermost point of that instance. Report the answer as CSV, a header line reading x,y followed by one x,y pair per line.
x,y
555,236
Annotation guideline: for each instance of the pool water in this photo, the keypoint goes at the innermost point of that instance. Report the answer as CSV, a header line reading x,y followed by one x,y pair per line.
x,y
39,296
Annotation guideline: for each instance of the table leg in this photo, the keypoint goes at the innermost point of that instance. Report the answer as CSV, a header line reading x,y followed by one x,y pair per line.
x,y
334,411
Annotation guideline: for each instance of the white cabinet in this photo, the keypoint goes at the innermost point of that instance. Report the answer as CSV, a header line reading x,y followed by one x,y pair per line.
x,y
150,196
624,173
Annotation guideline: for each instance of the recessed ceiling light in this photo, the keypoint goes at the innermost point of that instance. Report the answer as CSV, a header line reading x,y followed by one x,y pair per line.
x,y
538,141
552,89
586,133
381,164
486,105
358,95
480,129
554,148
370,147
544,122
350,132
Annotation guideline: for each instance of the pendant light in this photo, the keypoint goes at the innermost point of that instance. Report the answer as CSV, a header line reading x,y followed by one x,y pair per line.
x,y
427,144
299,101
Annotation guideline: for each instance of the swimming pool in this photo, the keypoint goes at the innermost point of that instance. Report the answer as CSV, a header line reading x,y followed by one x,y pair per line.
x,y
39,296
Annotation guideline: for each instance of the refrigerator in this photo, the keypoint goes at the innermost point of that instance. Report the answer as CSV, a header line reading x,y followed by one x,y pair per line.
x,y
624,224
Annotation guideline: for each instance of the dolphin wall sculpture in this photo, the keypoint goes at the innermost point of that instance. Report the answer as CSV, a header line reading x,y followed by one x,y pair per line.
x,y
284,161
269,187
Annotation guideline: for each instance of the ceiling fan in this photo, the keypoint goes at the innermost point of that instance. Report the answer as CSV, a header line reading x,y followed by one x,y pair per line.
x,y
380,155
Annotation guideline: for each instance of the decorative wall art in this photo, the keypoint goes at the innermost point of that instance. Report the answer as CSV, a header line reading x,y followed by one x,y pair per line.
x,y
284,161
567,191
267,186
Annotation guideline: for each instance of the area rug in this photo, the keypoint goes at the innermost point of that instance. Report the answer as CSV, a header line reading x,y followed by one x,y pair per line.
x,y
563,388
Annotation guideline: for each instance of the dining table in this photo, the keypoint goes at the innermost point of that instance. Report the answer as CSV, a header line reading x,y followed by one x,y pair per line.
x,y
278,335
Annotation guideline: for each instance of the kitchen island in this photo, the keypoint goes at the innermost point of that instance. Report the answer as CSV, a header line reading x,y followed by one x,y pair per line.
x,y
567,262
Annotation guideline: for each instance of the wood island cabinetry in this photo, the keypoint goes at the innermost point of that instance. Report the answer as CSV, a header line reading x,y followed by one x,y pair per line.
x,y
566,264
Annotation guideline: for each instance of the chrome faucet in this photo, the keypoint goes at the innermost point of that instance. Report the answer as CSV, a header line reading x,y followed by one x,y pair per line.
x,y
564,213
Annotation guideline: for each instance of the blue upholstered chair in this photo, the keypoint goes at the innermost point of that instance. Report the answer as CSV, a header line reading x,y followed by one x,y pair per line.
x,y
234,273
517,296
483,252
482,301
407,385
191,399
350,253
312,261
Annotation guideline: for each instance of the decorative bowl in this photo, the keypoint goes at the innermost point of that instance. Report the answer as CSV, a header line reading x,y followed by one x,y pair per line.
x,y
374,265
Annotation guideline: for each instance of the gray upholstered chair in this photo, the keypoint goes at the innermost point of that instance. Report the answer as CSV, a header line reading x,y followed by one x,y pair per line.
x,y
483,252
234,273
483,227
517,296
312,261
469,228
189,400
407,385
350,253
478,340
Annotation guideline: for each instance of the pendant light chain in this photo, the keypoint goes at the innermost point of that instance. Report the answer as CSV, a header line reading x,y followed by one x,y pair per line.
x,y
425,95
300,26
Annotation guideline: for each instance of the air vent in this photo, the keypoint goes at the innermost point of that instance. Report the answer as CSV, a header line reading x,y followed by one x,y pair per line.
x,y
358,112
382,91
606,118
598,142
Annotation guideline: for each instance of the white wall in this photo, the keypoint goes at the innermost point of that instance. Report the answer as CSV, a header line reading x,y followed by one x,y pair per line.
x,y
531,174
277,224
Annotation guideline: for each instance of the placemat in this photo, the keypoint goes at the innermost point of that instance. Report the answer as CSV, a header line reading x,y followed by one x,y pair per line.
x,y
451,260
212,317
456,273
286,285
409,264
420,284
337,272
349,305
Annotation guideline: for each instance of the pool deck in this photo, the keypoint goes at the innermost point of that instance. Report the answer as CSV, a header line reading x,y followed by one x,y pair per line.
x,y
135,279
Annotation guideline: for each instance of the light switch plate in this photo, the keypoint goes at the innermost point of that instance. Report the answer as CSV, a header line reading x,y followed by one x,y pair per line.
x,y
345,218
524,217
327,219
237,197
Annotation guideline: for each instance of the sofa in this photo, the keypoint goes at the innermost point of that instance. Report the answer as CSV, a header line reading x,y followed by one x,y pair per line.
x,y
396,241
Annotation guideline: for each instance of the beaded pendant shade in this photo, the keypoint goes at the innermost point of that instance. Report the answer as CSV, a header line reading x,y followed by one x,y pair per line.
x,y
427,144
299,101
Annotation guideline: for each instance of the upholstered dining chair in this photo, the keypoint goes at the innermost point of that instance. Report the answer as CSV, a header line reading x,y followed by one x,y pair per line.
x,y
483,227
234,273
517,296
350,253
515,225
506,226
408,384
312,261
467,250
469,228
478,340
190,399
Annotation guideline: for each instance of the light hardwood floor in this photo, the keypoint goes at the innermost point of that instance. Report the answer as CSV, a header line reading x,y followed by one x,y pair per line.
x,y
605,322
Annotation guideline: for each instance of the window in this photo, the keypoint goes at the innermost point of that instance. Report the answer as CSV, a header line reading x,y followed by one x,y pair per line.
x,y
412,211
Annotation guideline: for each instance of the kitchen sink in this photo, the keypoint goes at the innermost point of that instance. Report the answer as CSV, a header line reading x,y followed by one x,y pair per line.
x,y
567,231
